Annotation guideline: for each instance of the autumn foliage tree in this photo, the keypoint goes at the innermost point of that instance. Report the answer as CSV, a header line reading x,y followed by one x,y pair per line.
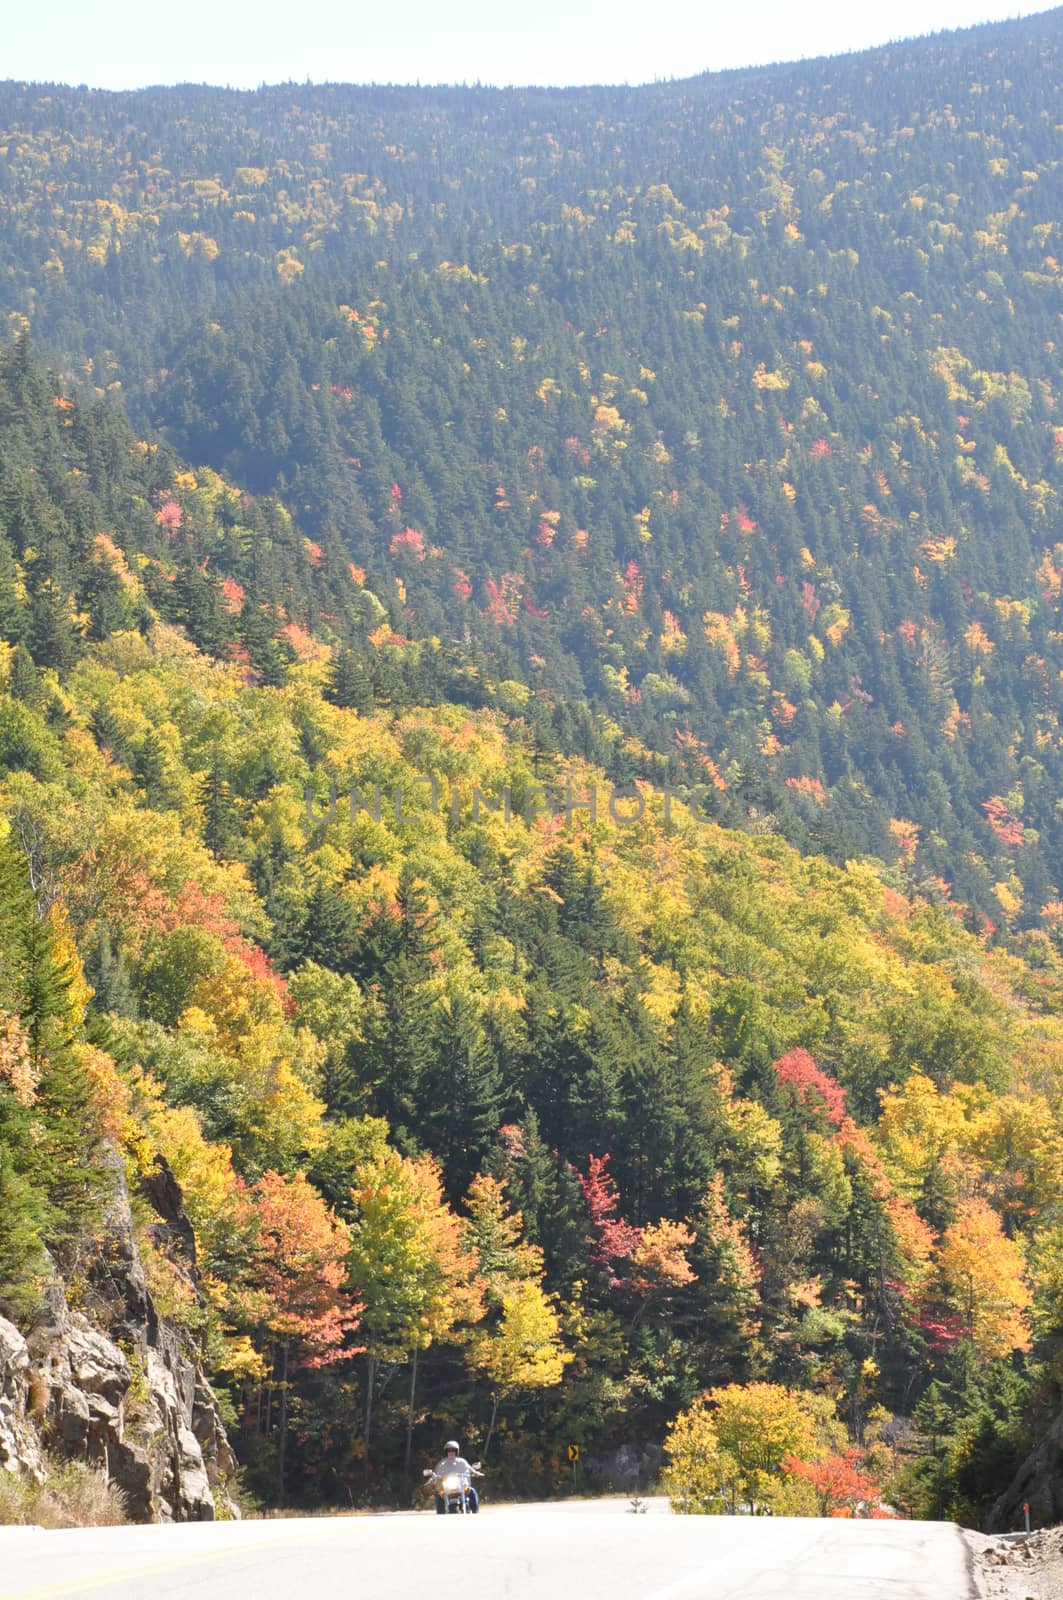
x,y
814,1091
728,1450
613,1241
841,1483
298,1285
523,1352
981,1272
412,1263
519,1348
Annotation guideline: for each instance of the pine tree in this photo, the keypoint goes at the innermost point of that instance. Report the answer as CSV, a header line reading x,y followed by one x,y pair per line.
x,y
330,934
23,1209
70,1157
17,910
198,607
49,1178
461,1093
53,640
221,820
14,617
108,972
257,636
350,685
546,1191
24,681
398,1053
104,597
149,769
23,1214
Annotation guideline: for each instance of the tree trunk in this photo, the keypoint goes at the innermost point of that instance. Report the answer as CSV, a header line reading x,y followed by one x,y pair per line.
x,y
269,1393
491,1428
370,1382
409,1414
282,1444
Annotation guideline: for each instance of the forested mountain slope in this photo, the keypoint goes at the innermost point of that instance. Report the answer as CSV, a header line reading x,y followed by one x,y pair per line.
x,y
482,450
730,405
530,1127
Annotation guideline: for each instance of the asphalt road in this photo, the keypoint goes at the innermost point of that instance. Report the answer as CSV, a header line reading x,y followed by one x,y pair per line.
x,y
564,1552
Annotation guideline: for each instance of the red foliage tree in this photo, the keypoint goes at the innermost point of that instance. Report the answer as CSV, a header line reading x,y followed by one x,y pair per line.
x,y
409,542
169,516
299,1271
841,1483
813,1088
633,584
1008,829
614,1239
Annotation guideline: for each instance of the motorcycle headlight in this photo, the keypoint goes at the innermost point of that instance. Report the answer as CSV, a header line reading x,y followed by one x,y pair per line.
x,y
452,1483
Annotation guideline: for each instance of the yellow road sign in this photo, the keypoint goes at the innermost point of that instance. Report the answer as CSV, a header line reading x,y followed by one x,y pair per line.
x,y
573,1452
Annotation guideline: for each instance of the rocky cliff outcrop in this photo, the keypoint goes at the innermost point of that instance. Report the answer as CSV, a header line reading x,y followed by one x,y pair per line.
x,y
120,1389
1038,1483
20,1449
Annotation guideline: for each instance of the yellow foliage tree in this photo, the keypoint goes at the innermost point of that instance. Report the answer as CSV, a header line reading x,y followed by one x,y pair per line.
x,y
696,1470
733,1454
981,1272
412,1262
524,1352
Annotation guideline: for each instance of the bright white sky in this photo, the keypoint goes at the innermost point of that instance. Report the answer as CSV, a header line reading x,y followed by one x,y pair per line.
x,y
126,44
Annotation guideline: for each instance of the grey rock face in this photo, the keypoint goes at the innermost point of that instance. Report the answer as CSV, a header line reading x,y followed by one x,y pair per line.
x,y
126,1393
629,1468
19,1445
1038,1483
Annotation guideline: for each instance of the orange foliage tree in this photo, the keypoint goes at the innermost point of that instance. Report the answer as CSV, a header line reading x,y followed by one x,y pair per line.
x,y
841,1483
299,1273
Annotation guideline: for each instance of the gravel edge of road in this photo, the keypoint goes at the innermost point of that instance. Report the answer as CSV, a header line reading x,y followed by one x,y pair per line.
x,y
1017,1567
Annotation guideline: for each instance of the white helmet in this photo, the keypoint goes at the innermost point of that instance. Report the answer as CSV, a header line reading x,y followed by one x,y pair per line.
x,y
452,1444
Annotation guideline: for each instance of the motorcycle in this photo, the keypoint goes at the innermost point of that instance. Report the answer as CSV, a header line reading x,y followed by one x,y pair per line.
x,y
454,1488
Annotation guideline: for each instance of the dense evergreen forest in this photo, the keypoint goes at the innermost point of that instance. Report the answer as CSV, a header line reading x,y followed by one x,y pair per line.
x,y
698,443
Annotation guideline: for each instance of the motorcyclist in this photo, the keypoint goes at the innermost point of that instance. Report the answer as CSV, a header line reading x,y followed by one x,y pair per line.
x,y
454,1461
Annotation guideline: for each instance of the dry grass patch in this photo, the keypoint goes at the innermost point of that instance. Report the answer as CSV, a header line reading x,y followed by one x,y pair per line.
x,y
71,1495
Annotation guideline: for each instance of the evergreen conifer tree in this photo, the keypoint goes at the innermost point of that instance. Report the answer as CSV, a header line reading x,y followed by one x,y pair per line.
x,y
14,618
24,681
461,1093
